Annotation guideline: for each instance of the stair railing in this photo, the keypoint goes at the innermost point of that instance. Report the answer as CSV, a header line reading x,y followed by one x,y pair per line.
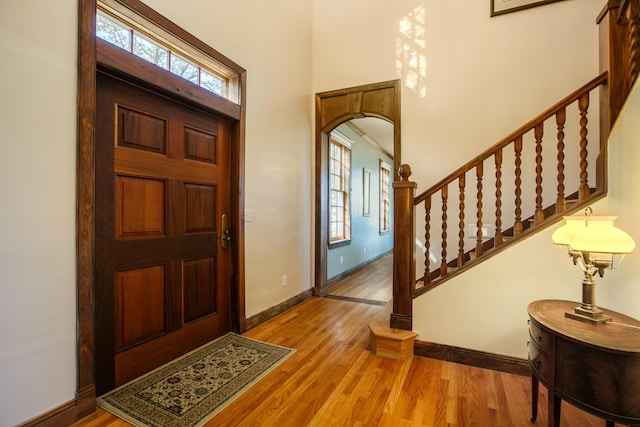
x,y
629,16
506,211
442,254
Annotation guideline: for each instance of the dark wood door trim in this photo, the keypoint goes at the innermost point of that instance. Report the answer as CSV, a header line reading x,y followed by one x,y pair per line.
x,y
381,100
85,188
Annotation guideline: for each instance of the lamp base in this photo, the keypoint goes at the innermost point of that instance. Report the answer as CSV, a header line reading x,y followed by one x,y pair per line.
x,y
595,317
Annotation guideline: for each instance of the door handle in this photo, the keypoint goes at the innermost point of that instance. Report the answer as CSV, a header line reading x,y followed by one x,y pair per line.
x,y
226,232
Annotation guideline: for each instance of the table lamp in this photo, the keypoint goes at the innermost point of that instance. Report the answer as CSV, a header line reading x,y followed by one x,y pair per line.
x,y
595,244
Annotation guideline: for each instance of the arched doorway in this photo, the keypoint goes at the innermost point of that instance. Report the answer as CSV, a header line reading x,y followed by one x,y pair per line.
x,y
380,100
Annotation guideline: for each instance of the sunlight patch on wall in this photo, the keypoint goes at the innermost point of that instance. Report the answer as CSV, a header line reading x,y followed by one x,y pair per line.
x,y
411,64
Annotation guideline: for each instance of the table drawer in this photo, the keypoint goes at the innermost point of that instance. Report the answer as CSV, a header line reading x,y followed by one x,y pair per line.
x,y
542,339
541,363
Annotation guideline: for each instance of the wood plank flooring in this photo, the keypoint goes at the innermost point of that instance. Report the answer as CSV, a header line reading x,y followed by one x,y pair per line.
x,y
374,283
333,380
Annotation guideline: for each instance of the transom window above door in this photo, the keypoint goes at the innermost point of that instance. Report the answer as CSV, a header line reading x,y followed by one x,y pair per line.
x,y
133,33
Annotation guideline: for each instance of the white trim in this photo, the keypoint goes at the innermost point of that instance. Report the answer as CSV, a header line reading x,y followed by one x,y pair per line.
x,y
341,138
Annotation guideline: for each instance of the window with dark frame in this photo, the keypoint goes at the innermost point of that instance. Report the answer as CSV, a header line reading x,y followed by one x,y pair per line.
x,y
339,190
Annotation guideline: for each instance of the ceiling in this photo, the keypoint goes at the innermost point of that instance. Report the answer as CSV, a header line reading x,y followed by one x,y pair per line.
x,y
377,130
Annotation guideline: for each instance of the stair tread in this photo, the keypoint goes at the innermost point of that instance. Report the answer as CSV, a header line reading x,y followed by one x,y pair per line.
x,y
384,331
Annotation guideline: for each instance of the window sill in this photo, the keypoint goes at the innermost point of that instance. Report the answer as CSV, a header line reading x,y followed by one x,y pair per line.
x,y
339,243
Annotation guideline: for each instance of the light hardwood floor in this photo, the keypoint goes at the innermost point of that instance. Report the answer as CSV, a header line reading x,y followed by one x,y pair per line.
x,y
373,284
333,380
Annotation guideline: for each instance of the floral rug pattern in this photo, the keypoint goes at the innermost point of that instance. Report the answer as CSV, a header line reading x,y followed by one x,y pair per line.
x,y
192,389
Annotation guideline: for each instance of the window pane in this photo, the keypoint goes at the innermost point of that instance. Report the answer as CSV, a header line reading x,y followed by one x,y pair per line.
x,y
183,68
150,51
384,198
339,184
334,230
113,32
211,83
138,39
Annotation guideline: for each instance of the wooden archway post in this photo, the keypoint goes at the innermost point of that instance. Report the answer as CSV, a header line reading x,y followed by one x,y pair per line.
x,y
404,259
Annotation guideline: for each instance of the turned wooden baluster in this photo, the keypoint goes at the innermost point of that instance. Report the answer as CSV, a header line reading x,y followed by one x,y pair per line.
x,y
479,172
583,188
633,16
561,202
497,239
538,132
461,185
443,264
517,147
427,239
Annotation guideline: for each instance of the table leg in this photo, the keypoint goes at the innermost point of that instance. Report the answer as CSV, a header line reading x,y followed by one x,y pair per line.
x,y
554,404
610,423
535,386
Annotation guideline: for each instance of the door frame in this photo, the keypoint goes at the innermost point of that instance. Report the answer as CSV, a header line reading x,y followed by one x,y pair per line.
x,y
88,62
381,100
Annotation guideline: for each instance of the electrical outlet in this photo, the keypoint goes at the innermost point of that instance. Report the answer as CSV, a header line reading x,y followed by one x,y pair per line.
x,y
364,250
248,215
284,280
341,259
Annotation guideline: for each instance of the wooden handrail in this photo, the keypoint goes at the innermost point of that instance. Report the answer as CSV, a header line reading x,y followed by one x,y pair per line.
x,y
528,200
522,166
550,112
529,213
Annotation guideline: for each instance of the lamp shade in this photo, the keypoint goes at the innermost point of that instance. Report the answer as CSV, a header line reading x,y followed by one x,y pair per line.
x,y
573,224
600,236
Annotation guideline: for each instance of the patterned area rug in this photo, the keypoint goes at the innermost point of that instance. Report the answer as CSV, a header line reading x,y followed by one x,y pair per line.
x,y
192,389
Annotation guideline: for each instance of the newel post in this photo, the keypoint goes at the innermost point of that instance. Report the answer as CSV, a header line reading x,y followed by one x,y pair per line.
x,y
404,260
614,59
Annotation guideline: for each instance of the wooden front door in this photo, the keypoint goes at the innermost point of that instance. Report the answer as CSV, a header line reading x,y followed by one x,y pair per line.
x,y
162,188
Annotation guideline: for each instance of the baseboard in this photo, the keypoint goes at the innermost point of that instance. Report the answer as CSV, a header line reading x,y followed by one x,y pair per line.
x,y
272,312
84,403
480,359
63,415
68,413
359,300
340,277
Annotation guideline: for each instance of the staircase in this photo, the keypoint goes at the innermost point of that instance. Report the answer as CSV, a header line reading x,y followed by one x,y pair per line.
x,y
528,212
554,165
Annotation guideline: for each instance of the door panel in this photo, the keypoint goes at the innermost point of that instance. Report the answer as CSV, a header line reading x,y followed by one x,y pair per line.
x,y
162,185
141,130
139,305
199,288
140,207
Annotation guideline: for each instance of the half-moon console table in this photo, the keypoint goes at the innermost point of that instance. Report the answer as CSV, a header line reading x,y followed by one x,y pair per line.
x,y
594,367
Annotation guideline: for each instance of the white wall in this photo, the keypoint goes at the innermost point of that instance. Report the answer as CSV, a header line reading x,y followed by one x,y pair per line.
x,y
468,81
271,40
37,214
38,39
624,201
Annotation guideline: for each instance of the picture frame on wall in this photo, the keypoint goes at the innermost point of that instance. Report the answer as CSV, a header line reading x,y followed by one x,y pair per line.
x,y
500,7
366,192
